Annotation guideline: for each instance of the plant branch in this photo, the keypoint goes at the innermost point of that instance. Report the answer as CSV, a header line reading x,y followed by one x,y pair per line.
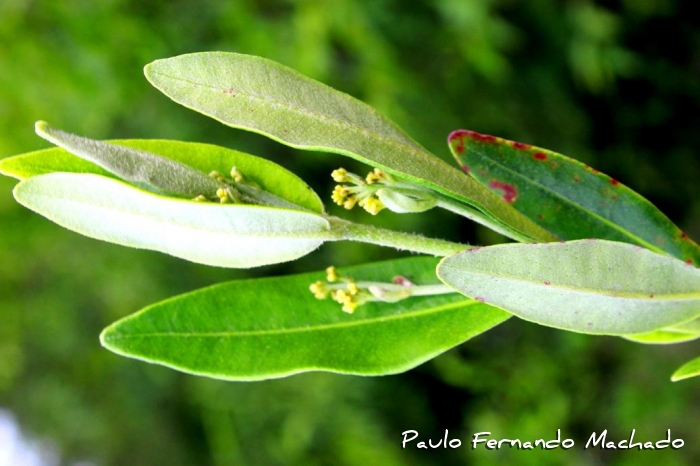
x,y
350,231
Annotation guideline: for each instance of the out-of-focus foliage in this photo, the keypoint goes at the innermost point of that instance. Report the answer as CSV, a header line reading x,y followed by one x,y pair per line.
x,y
615,84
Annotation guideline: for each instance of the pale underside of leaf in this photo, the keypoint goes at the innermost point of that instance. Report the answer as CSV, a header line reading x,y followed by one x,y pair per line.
x,y
258,95
140,168
274,327
208,233
589,286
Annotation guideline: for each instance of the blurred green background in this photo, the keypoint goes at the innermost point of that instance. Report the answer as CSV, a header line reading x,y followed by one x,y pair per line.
x,y
615,84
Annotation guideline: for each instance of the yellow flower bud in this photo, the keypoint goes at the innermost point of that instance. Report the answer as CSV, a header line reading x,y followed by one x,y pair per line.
x,y
340,175
340,194
350,307
319,290
332,274
372,205
350,202
217,176
236,175
223,196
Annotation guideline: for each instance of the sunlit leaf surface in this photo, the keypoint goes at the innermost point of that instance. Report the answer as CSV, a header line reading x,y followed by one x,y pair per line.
x,y
273,327
208,233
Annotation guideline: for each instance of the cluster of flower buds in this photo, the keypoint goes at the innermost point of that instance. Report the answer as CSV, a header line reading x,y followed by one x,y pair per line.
x,y
227,193
342,290
352,294
379,190
362,192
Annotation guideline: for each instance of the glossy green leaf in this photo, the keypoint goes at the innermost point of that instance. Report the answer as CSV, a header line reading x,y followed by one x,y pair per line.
x,y
208,233
204,158
663,337
687,370
274,327
676,334
259,95
588,286
568,198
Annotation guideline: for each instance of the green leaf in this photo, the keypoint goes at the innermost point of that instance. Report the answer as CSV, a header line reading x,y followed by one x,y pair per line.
x,y
204,158
208,233
588,286
274,327
663,337
676,334
262,96
568,198
687,370
143,169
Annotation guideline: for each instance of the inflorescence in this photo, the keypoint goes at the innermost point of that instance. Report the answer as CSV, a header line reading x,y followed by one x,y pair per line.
x,y
379,190
352,294
363,192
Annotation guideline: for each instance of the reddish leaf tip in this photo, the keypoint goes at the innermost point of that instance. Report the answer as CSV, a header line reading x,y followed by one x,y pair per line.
x,y
462,133
521,145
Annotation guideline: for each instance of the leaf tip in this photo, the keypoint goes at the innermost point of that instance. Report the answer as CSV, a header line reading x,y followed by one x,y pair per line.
x,y
106,338
147,70
42,128
677,378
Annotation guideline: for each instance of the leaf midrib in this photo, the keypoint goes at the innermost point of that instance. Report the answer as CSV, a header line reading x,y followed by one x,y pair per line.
x,y
688,296
323,327
342,124
319,235
576,205
411,145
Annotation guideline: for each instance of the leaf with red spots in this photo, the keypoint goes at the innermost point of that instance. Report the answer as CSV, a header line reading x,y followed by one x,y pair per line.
x,y
566,197
586,286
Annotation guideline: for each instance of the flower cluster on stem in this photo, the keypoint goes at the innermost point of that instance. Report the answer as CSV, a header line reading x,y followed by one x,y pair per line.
x,y
379,190
352,294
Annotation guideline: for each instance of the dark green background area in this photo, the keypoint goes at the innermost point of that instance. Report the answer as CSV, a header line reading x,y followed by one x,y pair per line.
x,y
615,84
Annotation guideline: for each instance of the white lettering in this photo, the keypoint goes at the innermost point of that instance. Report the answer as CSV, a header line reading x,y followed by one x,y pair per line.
x,y
555,442
477,440
595,441
406,440
664,442
637,445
